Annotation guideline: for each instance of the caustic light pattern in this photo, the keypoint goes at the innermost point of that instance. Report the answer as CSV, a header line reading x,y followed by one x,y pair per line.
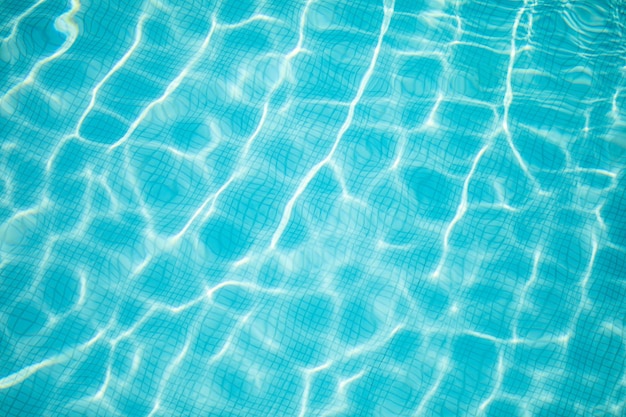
x,y
313,208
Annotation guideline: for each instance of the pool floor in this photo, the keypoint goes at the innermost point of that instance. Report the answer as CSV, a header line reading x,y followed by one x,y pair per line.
x,y
269,208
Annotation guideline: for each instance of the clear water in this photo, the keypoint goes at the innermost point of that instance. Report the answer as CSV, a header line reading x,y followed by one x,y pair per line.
x,y
321,208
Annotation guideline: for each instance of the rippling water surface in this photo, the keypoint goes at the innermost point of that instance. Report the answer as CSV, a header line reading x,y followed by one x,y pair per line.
x,y
312,208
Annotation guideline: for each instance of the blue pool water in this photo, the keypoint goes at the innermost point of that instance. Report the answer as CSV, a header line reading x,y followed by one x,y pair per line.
x,y
313,208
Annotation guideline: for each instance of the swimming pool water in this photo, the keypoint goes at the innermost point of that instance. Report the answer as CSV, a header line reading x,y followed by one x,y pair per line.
x,y
312,208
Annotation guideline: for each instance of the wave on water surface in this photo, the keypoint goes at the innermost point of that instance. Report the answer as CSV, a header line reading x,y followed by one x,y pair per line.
x,y
312,208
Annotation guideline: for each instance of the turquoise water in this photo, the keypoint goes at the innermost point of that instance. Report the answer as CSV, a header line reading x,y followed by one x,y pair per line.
x,y
312,208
